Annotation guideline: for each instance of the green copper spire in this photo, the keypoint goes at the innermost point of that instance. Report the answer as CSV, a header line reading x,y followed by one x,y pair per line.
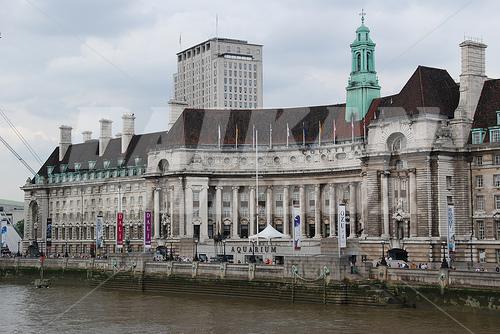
x,y
363,86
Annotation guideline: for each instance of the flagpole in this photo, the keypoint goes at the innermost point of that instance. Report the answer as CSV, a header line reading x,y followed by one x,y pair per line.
x,y
218,137
236,136
352,128
287,134
303,135
256,182
270,136
334,133
319,127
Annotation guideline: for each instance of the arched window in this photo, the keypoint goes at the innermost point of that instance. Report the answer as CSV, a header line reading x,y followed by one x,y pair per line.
x,y
368,61
359,62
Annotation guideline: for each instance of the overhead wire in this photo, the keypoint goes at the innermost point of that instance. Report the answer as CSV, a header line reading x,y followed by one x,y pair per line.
x,y
32,171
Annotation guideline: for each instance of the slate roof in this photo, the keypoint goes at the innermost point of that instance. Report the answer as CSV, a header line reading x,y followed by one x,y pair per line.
x,y
487,107
429,90
82,153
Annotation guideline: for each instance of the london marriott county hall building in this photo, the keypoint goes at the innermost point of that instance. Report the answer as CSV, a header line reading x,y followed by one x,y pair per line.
x,y
403,167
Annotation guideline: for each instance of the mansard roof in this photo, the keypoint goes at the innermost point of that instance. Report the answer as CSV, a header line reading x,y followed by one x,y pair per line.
x,y
199,127
428,91
487,108
83,153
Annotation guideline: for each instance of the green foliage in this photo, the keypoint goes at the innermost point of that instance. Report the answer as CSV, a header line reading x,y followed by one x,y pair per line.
x,y
19,226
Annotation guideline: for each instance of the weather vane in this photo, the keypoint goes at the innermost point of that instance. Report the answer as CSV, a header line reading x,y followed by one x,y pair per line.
x,y
362,14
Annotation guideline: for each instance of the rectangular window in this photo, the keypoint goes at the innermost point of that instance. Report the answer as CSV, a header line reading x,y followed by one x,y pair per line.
x,y
497,226
479,160
496,180
494,135
449,181
482,255
497,202
496,159
498,117
498,255
477,137
480,203
479,181
480,230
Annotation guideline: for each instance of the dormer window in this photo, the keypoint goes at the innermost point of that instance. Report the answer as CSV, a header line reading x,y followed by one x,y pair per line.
x,y
91,165
137,161
477,136
50,169
494,135
64,167
77,166
106,164
498,117
120,162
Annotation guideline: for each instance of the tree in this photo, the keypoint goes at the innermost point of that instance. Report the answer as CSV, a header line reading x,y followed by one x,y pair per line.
x,y
19,226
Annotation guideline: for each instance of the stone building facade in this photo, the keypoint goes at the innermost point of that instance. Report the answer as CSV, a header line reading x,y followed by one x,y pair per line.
x,y
218,176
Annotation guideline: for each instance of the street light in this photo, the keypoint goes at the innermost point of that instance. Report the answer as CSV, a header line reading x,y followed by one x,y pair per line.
x,y
195,250
383,262
444,264
224,259
252,259
66,249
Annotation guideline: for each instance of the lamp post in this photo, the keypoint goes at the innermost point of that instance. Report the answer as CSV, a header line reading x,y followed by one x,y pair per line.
x,y
66,249
18,248
383,262
171,251
224,259
444,264
195,250
252,259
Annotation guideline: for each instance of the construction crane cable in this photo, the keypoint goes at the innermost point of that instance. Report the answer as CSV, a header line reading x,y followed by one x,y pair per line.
x,y
32,171
21,137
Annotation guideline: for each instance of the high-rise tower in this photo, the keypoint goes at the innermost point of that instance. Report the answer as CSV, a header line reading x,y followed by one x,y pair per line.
x,y
363,86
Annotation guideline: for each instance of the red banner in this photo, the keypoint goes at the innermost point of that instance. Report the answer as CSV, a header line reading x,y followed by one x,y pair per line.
x,y
147,229
119,229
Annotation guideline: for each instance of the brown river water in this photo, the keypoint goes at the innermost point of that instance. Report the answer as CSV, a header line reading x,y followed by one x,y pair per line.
x,y
25,309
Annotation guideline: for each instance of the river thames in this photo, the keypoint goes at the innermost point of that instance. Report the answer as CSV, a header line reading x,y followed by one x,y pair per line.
x,y
24,309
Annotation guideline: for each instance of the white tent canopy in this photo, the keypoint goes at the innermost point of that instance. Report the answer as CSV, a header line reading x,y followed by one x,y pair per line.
x,y
268,233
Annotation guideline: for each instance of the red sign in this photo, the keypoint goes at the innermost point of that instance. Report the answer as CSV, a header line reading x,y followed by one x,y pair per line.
x,y
147,229
119,229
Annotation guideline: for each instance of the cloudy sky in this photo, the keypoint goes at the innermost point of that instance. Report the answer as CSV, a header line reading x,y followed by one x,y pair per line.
x,y
74,62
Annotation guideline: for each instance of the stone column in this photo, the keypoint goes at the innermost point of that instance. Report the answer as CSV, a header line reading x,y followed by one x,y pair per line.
x,y
235,217
332,206
171,202
269,205
218,209
385,203
413,205
302,199
286,207
189,211
182,208
252,211
352,209
204,213
317,211
364,204
156,209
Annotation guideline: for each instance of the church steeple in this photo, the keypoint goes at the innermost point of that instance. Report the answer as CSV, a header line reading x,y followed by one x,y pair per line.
x,y
363,86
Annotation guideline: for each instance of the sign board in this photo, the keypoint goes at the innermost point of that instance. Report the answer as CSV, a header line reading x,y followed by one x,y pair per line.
x,y
99,235
119,229
147,229
48,236
451,229
296,228
341,221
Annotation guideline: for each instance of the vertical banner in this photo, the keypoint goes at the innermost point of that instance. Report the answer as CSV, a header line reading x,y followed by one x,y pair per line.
x,y
48,235
451,229
119,229
147,229
341,221
99,235
3,232
296,228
